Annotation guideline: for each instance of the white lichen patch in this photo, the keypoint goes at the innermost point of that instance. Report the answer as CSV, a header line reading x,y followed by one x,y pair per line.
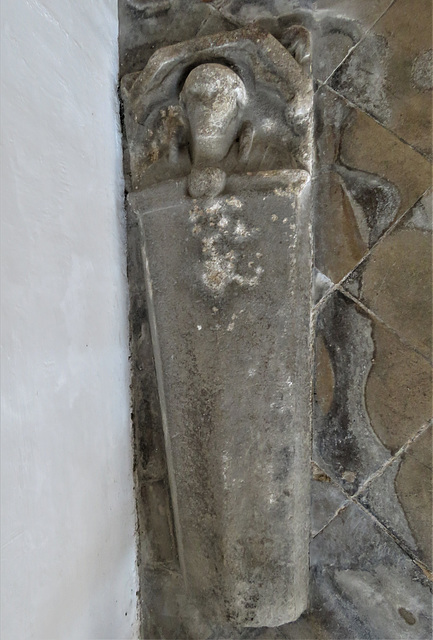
x,y
422,71
195,214
241,230
213,208
220,236
234,202
223,222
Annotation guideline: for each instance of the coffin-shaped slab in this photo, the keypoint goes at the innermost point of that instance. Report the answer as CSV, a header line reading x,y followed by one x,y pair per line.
x,y
228,284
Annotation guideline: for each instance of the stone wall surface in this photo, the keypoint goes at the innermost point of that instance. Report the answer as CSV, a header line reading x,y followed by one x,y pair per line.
x,y
370,551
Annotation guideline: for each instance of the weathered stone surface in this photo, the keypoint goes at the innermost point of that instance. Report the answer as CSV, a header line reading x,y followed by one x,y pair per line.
x,y
229,117
230,333
372,393
401,497
389,74
395,280
336,25
366,179
398,393
321,285
364,585
272,124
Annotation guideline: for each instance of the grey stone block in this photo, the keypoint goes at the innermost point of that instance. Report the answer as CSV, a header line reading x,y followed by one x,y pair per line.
x,y
229,283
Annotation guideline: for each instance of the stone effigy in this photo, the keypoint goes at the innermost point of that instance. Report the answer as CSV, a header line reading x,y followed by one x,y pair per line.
x,y
219,140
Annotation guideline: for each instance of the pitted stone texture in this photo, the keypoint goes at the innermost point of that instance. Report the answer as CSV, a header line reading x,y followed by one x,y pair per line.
x,y
389,74
364,585
395,280
366,178
401,497
228,286
336,26
372,393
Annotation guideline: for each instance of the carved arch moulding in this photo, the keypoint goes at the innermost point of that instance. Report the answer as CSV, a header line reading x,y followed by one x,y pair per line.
x,y
219,138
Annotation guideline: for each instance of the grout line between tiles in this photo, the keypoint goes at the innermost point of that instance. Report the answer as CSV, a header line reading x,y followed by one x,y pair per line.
x,y
393,458
397,541
353,499
369,115
336,514
370,28
385,234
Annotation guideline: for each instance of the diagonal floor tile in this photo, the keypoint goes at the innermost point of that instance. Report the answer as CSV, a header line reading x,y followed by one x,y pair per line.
x,y
372,393
395,280
366,178
401,498
389,74
364,585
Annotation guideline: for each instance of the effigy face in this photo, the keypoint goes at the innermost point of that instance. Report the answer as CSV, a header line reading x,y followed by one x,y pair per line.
x,y
219,138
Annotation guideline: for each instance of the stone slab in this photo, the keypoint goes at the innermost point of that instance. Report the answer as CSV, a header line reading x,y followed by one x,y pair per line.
x,y
326,499
401,498
229,283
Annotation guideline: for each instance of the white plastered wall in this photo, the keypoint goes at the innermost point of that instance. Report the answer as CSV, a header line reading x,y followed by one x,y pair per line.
x,y
68,517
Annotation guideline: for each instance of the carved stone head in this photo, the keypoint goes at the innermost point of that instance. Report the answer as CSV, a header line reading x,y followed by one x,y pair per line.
x,y
214,98
188,114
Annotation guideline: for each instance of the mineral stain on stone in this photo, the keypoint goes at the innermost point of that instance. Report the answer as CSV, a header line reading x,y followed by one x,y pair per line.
x,y
407,616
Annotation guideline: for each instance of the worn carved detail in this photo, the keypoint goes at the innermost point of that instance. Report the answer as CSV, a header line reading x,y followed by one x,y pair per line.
x,y
219,136
222,105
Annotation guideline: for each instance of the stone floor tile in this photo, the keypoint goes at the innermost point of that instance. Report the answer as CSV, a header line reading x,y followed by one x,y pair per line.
x,y
364,586
401,498
372,393
335,25
389,74
326,499
366,178
395,280
340,26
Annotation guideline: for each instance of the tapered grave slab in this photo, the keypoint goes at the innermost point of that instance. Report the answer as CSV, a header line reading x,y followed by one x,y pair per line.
x,y
219,145
228,281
